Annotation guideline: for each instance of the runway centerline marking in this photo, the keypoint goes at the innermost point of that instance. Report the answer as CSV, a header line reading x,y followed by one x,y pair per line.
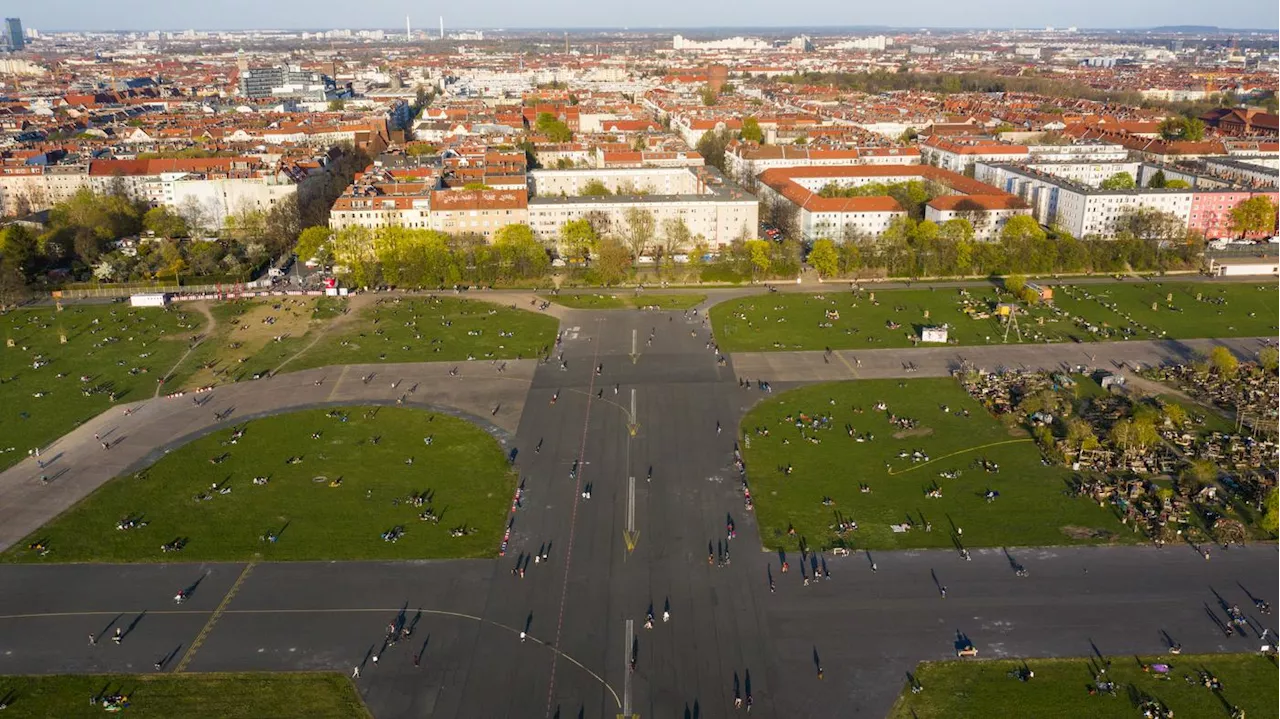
x,y
573,521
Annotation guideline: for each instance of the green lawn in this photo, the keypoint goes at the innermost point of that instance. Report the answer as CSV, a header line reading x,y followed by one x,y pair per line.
x,y
1031,508
799,321
191,696
969,689
463,468
428,329
125,353
1246,309
598,301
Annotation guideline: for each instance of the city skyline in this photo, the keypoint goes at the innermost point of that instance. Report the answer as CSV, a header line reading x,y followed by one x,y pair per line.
x,y
234,15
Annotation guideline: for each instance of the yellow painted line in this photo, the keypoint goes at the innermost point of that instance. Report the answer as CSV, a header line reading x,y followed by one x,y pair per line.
x,y
914,467
345,368
213,619
852,370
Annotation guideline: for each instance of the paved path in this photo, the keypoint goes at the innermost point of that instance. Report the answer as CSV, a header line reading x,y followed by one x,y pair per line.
x,y
76,463
866,628
940,361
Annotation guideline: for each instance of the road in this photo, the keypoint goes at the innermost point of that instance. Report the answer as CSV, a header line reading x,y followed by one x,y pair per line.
x,y
865,628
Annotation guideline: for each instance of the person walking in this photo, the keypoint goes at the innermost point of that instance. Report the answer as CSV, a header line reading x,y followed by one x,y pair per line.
x,y
93,641
118,636
355,673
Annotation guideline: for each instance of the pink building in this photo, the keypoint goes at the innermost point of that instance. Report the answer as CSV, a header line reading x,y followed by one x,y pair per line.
x,y
1211,212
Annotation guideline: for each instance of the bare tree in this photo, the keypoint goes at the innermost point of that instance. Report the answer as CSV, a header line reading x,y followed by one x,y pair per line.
x,y
675,236
639,230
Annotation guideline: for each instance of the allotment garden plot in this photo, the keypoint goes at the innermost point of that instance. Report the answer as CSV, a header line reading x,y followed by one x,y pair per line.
x,y
887,464
347,483
60,368
429,329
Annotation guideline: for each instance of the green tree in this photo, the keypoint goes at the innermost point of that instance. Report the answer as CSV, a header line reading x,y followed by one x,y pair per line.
x,y
551,126
824,258
708,96
1182,128
612,262
712,145
1269,358
476,186
1256,215
1157,180
164,222
1015,284
521,255
1222,361
758,254
417,149
595,188
751,130
20,250
337,105
1177,185
1271,512
1080,435
1118,181
578,239
312,243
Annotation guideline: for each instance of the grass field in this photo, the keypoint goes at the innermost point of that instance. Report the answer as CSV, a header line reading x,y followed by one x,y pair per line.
x,y
597,301
983,689
254,336
110,350
191,696
1031,508
1246,310
801,321
464,471
428,329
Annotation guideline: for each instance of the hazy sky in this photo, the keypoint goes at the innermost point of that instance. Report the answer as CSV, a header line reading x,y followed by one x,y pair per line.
x,y
250,14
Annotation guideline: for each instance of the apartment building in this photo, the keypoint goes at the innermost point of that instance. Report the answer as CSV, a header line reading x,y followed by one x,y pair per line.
x,y
628,180
959,154
218,186
743,160
837,217
1083,210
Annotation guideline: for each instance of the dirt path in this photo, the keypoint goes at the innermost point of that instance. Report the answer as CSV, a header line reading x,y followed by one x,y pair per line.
x,y
210,328
355,304
1155,388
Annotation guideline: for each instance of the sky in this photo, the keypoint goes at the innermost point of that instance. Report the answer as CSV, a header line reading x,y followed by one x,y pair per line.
x,y
390,14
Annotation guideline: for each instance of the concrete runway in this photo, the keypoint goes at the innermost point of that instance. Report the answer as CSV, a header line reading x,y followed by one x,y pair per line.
x,y
865,628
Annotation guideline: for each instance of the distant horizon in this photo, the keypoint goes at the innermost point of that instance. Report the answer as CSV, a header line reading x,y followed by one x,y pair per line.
x,y
429,28
1261,16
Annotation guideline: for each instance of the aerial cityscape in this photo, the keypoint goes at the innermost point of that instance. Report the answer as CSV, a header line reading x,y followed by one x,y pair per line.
x,y
590,361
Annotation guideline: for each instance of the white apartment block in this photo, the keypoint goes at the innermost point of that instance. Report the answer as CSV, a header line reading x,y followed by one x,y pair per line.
x,y
1083,210
720,220
650,180
1091,174
746,160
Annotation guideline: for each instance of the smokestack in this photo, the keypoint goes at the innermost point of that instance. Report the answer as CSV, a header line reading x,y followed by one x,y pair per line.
x,y
442,27
408,33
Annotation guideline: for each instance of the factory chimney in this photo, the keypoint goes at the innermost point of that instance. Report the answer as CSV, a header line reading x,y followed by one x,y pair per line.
x,y
442,27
